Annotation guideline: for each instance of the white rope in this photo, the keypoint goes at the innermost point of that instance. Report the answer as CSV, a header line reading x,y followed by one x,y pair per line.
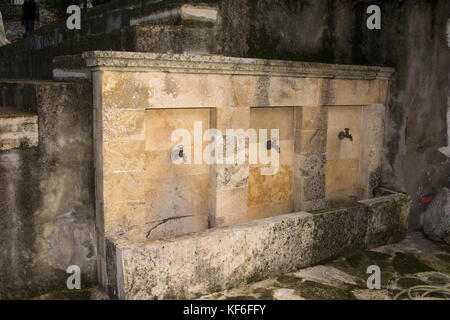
x,y
422,292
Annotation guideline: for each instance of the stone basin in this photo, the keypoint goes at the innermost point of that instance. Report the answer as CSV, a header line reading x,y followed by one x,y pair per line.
x,y
193,265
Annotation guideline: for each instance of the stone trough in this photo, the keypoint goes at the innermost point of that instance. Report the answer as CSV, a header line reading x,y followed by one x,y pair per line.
x,y
189,266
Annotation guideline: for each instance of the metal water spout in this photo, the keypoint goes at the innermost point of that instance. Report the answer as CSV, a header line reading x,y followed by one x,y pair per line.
x,y
273,144
345,135
178,155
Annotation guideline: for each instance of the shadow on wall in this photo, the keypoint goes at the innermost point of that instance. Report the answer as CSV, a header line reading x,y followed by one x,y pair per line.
x,y
47,191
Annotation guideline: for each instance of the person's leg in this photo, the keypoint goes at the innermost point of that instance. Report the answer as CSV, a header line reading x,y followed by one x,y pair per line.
x,y
27,25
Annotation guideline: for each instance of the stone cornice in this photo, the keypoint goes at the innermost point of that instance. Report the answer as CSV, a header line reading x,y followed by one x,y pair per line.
x,y
212,64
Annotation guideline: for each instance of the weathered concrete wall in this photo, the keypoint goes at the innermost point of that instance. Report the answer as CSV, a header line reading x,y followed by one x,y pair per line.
x,y
47,192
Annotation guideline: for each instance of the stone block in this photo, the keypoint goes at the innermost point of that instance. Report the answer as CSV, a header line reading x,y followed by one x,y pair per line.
x,y
123,156
264,189
359,92
310,141
339,231
341,179
310,165
124,186
340,118
387,219
231,176
230,203
123,125
18,129
314,188
309,118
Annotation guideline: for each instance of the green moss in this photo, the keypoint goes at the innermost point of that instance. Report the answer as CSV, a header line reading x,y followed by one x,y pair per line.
x,y
357,264
317,291
83,294
377,255
264,294
408,282
444,248
386,277
320,211
437,279
395,292
241,298
215,288
338,208
288,280
255,278
408,263
357,260
197,295
444,257
217,295
362,260
439,265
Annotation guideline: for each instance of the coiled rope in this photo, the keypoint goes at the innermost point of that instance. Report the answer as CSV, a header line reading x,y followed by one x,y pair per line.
x,y
422,292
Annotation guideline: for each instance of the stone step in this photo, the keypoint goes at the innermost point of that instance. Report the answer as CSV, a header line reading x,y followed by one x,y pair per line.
x,y
18,129
108,18
192,15
173,26
145,38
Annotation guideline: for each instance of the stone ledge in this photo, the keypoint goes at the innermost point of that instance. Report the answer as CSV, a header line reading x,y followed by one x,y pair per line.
x,y
184,14
144,61
17,129
213,64
192,265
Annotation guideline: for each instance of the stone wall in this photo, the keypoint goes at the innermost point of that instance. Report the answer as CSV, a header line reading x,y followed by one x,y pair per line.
x,y
413,40
47,191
